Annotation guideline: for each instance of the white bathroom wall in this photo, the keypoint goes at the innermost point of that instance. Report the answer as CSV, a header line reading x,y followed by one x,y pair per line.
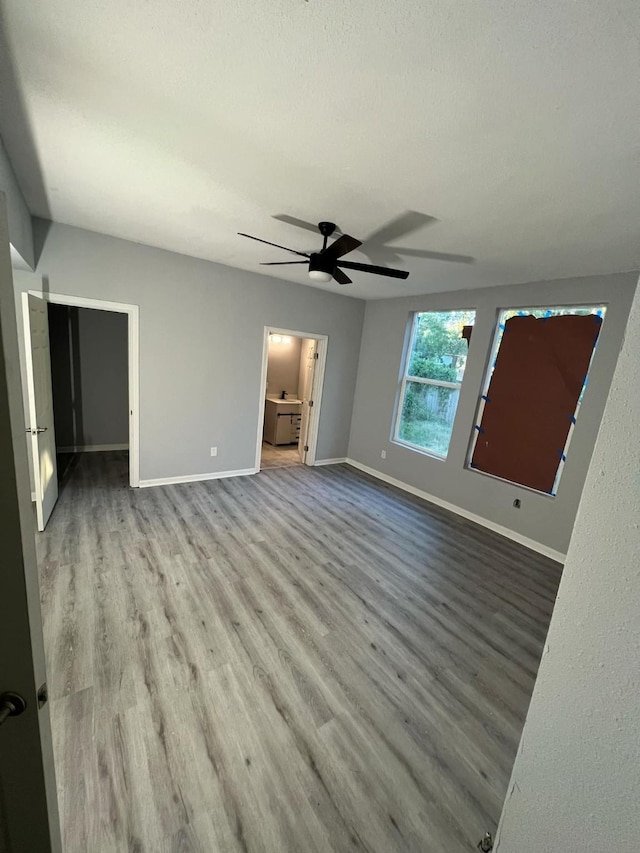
x,y
284,366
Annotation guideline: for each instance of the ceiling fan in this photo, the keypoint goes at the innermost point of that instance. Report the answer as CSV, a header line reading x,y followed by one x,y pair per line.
x,y
380,246
327,264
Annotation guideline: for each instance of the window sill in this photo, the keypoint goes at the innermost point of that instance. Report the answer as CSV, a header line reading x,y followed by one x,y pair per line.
x,y
431,454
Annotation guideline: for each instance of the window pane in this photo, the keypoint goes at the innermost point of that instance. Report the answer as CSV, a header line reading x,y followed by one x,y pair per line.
x,y
427,416
438,350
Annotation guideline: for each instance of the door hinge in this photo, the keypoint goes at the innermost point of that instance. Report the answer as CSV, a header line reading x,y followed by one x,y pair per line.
x,y
316,355
306,448
310,404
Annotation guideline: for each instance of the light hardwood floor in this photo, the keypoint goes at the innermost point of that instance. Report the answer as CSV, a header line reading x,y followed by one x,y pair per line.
x,y
304,660
281,456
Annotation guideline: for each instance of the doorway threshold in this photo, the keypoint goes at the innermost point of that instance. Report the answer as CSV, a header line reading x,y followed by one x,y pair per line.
x,y
279,456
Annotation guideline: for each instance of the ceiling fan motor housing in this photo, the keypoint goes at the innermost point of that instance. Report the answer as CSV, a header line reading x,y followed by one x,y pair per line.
x,y
318,263
326,228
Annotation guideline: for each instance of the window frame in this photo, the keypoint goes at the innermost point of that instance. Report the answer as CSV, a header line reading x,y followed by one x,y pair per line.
x,y
488,372
404,378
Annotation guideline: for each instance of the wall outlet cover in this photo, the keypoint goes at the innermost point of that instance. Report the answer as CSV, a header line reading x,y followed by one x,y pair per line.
x,y
383,454
214,451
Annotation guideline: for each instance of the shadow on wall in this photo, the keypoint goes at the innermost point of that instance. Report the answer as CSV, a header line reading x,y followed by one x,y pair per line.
x,y
15,129
40,229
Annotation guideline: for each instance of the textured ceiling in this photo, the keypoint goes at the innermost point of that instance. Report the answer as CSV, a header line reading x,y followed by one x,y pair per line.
x,y
515,125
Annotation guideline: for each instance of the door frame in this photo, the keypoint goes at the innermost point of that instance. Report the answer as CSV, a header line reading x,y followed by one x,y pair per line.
x,y
317,387
133,361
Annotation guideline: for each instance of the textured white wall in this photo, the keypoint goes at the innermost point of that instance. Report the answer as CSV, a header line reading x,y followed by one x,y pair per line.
x,y
576,779
284,366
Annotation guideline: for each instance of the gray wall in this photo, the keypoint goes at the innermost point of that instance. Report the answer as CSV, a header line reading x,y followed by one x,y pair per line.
x,y
284,367
541,518
201,338
20,233
576,780
89,367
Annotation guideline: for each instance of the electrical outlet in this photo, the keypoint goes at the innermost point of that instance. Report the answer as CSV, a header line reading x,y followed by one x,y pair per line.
x,y
383,454
214,451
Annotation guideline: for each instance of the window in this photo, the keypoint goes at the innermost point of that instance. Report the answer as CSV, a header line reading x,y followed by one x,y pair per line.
x,y
533,393
430,387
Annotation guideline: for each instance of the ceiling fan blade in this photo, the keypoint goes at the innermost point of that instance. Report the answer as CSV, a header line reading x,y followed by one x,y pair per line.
x,y
342,246
341,277
299,223
406,223
286,249
350,265
436,256
280,263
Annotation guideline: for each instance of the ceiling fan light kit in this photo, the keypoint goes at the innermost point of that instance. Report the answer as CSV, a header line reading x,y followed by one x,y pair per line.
x,y
319,275
325,265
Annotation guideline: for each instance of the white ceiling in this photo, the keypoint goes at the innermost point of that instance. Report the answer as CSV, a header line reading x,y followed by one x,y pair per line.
x,y
515,125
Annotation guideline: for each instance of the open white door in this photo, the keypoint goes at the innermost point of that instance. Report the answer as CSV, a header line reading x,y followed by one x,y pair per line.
x,y
28,807
40,399
308,358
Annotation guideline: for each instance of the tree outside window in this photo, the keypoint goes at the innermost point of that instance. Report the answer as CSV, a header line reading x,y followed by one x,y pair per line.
x,y
431,384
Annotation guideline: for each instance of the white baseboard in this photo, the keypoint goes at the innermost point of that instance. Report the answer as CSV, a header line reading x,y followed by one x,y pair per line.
x,y
196,478
478,519
330,461
92,448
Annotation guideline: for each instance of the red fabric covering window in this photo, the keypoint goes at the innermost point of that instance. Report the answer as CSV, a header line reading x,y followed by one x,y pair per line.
x,y
532,397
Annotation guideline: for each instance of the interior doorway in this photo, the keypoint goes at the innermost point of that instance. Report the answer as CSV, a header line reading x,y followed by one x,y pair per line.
x,y
89,366
82,386
291,389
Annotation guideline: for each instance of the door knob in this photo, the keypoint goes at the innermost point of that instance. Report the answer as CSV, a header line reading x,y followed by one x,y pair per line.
x,y
11,705
486,842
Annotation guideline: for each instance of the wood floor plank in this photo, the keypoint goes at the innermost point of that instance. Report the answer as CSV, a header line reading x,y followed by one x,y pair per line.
x,y
302,660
